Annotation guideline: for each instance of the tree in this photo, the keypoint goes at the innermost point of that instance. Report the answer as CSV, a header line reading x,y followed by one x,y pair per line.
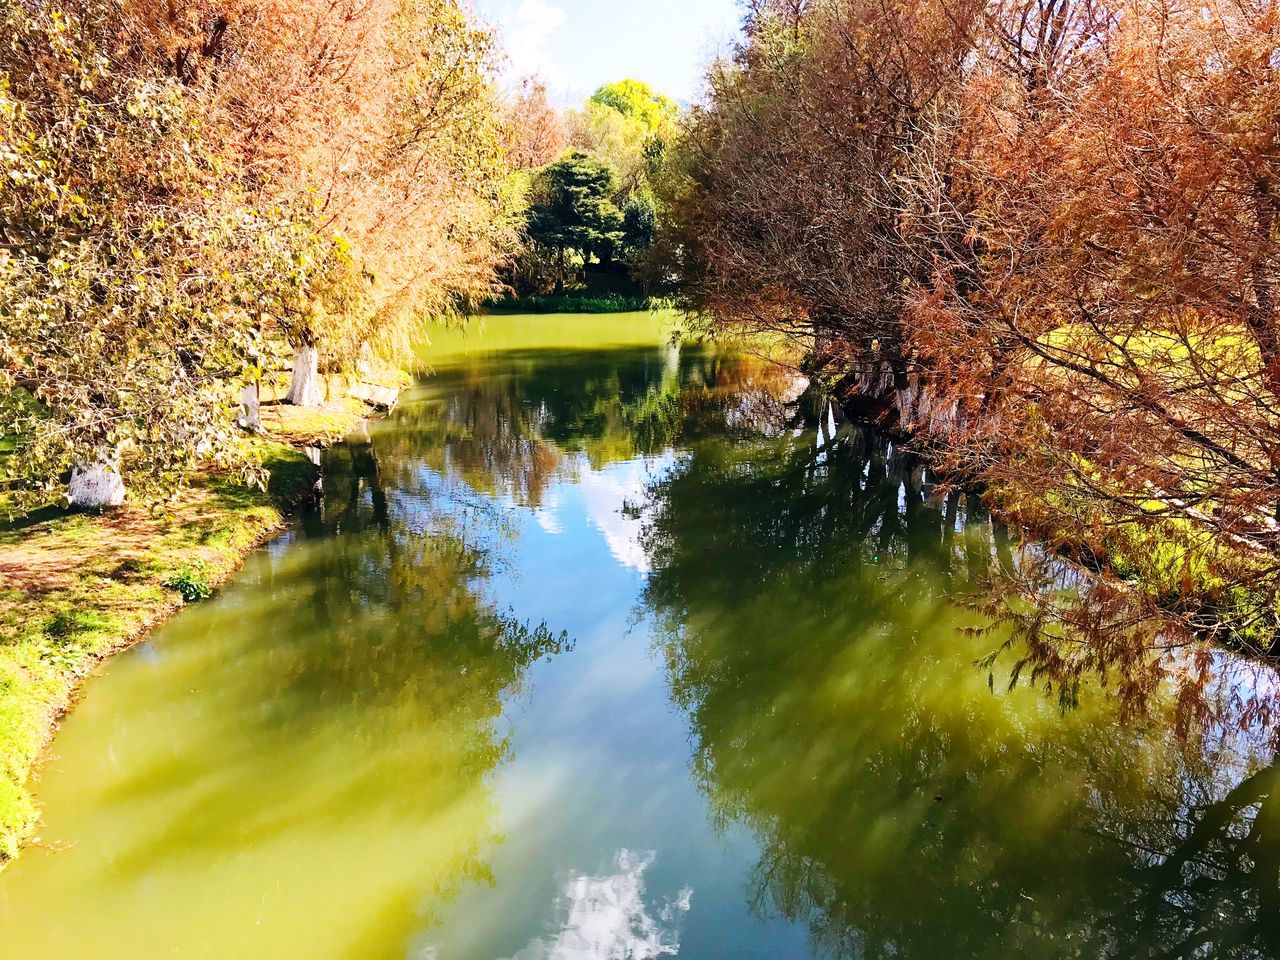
x,y
375,124
626,124
639,223
1042,239
535,131
786,196
573,210
637,101
1113,343
122,308
189,184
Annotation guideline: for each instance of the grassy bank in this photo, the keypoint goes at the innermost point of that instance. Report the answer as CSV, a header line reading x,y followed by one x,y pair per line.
x,y
575,303
75,587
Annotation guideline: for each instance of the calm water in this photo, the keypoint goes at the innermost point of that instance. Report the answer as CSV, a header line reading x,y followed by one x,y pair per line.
x,y
594,653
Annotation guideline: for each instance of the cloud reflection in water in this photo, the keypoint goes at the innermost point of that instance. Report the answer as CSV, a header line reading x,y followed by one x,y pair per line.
x,y
606,918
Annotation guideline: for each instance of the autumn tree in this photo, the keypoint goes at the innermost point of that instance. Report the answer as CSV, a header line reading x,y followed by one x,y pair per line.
x,y
375,124
785,196
188,184
122,310
1108,332
1040,237
535,131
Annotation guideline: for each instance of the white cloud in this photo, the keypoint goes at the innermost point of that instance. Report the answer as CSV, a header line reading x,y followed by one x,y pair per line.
x,y
607,919
548,514
527,29
607,494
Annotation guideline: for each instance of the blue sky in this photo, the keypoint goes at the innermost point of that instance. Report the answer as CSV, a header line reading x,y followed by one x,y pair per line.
x,y
576,45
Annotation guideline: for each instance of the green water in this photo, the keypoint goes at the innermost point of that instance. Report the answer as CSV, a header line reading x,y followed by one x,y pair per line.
x,y
592,650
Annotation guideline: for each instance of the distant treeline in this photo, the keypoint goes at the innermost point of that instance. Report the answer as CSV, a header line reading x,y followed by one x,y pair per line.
x,y
586,182
569,303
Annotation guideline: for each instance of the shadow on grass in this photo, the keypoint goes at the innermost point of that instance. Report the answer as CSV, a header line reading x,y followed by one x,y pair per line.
x,y
34,518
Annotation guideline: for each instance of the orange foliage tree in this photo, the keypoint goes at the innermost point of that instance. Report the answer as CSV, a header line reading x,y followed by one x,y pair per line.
x,y
786,193
372,122
1042,237
1106,325
535,132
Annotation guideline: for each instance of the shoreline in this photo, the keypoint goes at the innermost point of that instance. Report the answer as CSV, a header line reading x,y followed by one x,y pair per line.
x,y
869,396
77,589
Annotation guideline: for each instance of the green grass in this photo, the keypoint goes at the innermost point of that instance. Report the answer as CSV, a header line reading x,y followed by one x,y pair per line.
x,y
76,587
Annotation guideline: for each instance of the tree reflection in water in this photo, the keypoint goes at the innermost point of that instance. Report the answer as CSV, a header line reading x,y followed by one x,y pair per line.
x,y
513,428
907,805
326,732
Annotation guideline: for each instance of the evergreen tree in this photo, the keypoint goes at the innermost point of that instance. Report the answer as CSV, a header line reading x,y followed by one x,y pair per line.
x,y
572,210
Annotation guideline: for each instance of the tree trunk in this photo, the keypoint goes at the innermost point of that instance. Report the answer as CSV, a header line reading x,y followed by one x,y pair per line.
x,y
97,487
670,364
560,274
250,409
304,389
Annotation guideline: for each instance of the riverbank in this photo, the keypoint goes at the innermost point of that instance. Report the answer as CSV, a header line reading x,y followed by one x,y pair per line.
x,y
76,588
1173,565
575,303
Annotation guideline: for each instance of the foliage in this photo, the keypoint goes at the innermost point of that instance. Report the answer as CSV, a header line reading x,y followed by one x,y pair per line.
x,y
651,111
1044,239
639,222
630,126
191,582
535,131
572,209
118,317
1120,309
578,303
187,185
784,200
626,127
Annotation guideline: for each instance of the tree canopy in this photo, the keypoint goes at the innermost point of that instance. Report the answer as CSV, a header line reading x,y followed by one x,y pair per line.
x,y
191,186
573,208
640,103
1045,240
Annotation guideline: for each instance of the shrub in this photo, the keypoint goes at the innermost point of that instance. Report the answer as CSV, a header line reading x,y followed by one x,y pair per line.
x,y
192,582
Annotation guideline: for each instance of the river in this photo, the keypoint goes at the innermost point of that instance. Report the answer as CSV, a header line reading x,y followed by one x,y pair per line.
x,y
592,650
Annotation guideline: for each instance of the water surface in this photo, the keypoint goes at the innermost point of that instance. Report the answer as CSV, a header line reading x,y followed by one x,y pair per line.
x,y
595,650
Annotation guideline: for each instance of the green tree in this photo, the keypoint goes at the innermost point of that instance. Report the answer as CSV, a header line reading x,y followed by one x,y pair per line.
x,y
572,210
639,222
627,124
637,101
